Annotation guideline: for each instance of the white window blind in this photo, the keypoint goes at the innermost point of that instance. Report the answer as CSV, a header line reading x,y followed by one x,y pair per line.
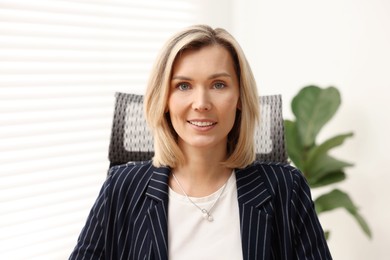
x,y
60,64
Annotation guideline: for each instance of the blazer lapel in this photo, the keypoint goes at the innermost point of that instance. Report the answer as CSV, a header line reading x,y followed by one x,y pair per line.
x,y
254,206
157,215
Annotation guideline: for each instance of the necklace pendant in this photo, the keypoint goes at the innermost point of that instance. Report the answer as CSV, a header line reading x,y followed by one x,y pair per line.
x,y
207,215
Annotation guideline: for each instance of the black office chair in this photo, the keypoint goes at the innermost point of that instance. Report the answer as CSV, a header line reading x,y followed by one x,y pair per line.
x,y
132,141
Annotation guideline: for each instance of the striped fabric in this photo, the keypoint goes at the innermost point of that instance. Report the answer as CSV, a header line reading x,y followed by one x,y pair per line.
x,y
129,218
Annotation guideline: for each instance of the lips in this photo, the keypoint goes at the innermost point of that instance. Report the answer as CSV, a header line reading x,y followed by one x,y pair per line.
x,y
202,123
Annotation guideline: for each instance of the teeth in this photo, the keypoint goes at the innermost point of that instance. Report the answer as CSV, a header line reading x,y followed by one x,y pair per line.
x,y
201,123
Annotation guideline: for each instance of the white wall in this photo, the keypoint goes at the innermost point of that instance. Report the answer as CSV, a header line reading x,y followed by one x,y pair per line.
x,y
216,13
345,44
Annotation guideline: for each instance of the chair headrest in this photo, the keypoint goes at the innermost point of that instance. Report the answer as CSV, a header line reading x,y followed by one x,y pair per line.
x,y
131,140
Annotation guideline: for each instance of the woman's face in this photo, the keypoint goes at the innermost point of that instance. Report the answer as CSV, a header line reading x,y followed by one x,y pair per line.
x,y
203,98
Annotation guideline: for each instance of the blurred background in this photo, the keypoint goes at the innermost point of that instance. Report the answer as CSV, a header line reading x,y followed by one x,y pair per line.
x,y
61,61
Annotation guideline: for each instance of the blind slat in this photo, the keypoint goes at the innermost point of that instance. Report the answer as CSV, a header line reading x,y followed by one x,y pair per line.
x,y
49,43
71,32
22,143
8,106
156,10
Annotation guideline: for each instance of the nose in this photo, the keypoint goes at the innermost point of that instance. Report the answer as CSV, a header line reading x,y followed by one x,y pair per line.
x,y
202,100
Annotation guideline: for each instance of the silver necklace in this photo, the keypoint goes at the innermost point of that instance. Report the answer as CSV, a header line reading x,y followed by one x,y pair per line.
x,y
206,213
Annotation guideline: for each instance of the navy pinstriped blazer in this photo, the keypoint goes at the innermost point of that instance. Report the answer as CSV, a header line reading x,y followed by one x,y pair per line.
x,y
129,218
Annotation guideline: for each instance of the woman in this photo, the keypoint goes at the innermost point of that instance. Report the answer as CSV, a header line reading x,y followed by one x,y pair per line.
x,y
203,196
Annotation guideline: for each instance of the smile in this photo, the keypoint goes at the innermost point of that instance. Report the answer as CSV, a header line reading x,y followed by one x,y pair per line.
x,y
202,123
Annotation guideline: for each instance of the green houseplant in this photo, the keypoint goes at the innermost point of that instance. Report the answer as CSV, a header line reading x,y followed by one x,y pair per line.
x,y
313,107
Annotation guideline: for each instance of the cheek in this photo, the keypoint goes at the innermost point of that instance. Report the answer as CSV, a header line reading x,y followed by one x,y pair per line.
x,y
172,103
228,110
174,106
231,103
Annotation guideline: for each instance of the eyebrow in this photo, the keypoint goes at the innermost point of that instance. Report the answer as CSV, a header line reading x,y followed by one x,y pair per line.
x,y
222,74
213,76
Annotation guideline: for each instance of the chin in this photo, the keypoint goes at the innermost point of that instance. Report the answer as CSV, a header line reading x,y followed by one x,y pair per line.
x,y
202,143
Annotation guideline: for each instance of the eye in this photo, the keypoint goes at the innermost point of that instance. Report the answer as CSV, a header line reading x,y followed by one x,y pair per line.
x,y
219,85
183,86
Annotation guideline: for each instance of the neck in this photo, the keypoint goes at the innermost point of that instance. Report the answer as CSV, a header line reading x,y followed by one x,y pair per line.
x,y
203,173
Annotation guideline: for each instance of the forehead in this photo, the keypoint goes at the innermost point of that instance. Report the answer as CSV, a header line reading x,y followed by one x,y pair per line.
x,y
207,57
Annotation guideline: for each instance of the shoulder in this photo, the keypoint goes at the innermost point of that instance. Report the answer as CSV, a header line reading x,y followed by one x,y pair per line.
x,y
277,176
276,170
273,171
130,170
128,176
135,177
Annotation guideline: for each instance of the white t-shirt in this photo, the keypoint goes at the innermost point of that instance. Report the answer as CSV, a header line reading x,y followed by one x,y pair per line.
x,y
191,237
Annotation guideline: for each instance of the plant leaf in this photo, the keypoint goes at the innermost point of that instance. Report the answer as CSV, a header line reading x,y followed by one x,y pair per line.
x,y
323,166
330,178
327,234
317,153
313,107
293,145
363,224
322,149
339,199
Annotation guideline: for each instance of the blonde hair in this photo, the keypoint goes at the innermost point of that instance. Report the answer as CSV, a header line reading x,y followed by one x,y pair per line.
x,y
240,146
